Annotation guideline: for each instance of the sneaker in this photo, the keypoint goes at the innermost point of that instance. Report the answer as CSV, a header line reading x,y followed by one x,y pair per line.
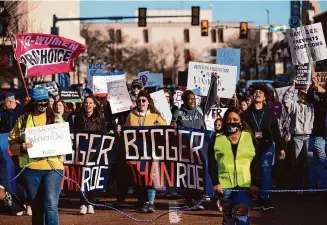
x,y
29,210
151,208
90,209
199,208
220,208
267,206
19,213
83,210
145,207
192,205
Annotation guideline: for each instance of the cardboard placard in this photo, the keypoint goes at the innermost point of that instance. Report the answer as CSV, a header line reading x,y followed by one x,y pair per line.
x,y
120,100
162,105
322,78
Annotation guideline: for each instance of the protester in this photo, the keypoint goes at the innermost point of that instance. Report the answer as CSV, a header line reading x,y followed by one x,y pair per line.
x,y
11,113
145,114
170,100
233,164
61,108
275,105
43,176
89,119
318,97
243,105
51,101
264,125
137,86
218,126
71,107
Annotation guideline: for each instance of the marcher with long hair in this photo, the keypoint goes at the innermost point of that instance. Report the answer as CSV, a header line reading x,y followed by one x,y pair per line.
x,y
61,108
264,126
89,119
170,100
42,176
233,164
145,114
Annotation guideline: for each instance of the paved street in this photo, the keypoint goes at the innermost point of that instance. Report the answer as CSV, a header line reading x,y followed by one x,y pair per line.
x,y
291,209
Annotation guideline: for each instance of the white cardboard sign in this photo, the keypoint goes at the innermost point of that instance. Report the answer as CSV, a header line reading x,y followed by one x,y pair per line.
x,y
120,100
214,114
162,105
49,140
179,102
100,82
305,41
199,76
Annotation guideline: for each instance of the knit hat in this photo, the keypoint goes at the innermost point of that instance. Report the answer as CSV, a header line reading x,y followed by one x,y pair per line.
x,y
40,93
9,96
138,82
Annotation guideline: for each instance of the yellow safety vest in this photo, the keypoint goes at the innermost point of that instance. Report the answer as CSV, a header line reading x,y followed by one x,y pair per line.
x,y
233,172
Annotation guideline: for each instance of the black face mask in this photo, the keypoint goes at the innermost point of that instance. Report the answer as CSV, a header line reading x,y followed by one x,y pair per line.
x,y
41,107
233,127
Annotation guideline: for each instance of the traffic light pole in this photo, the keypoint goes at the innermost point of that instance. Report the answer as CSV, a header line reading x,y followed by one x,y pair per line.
x,y
115,18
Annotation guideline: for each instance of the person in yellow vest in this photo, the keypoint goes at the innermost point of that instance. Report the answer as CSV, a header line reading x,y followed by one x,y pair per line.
x,y
43,175
233,164
145,114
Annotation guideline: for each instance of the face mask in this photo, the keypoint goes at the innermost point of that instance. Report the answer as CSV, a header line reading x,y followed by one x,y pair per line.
x,y
41,107
233,127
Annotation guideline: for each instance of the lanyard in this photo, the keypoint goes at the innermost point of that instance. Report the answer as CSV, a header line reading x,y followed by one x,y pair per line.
x,y
258,124
139,119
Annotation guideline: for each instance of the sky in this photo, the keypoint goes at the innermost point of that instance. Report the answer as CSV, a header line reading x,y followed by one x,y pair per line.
x,y
223,11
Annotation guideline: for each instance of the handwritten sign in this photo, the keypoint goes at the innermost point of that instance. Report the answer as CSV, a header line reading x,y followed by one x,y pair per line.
x,y
49,140
120,100
322,78
307,43
199,76
211,117
178,101
231,57
162,105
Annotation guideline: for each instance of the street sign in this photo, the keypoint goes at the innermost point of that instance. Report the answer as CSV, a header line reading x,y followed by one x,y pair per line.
x,y
282,28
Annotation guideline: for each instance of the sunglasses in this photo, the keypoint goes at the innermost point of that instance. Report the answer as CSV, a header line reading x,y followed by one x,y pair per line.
x,y
137,87
141,100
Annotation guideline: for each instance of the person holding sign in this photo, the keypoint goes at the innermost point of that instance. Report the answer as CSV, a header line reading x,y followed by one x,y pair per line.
x,y
89,119
264,125
233,164
317,96
43,176
145,114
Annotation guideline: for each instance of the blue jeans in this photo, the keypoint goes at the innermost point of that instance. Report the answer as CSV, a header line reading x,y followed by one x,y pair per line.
x,y
317,146
235,199
43,189
301,145
266,161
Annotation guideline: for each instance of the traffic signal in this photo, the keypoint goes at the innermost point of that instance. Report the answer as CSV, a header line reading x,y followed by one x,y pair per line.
x,y
142,21
243,30
195,16
204,27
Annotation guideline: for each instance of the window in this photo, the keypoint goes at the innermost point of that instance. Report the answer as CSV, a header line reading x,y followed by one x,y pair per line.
x,y
118,37
112,35
213,36
186,36
220,36
146,36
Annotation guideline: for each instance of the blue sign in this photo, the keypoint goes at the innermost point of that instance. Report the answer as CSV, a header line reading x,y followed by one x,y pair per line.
x,y
229,57
295,14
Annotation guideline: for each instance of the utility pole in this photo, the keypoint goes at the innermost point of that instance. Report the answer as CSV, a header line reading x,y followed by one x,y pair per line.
x,y
267,16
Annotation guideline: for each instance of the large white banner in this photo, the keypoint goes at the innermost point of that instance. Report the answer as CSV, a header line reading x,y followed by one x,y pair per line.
x,y
120,100
49,140
211,117
306,41
199,76
162,105
178,101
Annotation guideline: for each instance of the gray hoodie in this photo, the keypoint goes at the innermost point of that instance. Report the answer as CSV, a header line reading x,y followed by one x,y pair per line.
x,y
302,114
189,118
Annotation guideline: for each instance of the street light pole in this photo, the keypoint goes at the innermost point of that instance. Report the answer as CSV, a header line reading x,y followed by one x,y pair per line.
x,y
267,16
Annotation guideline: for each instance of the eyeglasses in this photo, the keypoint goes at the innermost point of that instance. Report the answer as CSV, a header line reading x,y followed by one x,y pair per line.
x,y
141,100
167,96
43,101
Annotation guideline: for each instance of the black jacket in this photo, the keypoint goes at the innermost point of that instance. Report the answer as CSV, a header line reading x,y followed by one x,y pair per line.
x,y
8,118
269,128
319,102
